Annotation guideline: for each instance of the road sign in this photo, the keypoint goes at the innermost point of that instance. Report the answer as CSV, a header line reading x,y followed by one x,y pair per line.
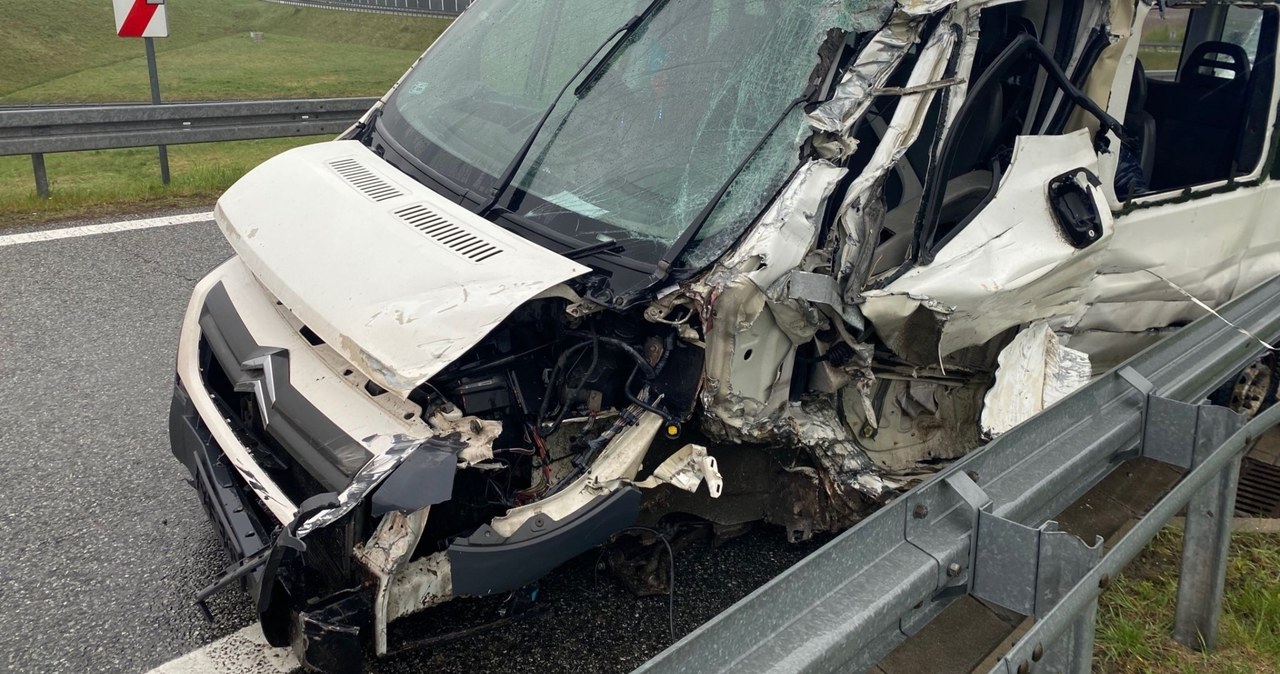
x,y
141,18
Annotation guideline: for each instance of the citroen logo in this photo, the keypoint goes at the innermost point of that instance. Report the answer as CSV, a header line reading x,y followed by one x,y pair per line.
x,y
263,386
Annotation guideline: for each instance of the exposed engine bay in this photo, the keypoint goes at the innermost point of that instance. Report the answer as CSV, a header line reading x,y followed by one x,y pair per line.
x,y
559,389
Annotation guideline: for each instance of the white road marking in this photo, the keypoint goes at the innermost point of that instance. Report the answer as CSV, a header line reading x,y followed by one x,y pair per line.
x,y
104,228
238,653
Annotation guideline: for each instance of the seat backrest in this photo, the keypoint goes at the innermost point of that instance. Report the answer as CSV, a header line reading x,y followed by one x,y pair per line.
x,y
1204,66
1201,117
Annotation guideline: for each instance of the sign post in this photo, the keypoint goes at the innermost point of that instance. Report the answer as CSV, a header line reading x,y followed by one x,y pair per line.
x,y
147,19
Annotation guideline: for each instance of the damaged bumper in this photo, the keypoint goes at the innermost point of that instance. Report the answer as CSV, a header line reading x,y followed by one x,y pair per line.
x,y
319,483
227,503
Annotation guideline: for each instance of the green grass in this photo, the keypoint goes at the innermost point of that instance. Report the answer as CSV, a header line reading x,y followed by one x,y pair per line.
x,y
235,67
67,52
1162,38
1154,60
1135,615
110,182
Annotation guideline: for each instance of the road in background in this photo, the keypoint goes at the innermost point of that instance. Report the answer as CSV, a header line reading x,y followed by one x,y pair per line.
x,y
105,544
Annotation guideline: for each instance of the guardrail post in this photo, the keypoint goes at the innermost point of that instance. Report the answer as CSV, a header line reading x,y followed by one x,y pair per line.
x,y
1205,543
42,177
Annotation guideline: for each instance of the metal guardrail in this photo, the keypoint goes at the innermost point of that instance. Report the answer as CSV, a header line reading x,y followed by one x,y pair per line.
x,y
441,8
37,131
983,526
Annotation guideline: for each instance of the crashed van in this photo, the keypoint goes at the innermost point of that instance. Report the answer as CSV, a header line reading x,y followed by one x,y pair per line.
x,y
596,265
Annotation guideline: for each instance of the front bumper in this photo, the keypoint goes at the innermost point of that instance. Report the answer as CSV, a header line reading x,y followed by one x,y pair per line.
x,y
269,397
228,504
268,421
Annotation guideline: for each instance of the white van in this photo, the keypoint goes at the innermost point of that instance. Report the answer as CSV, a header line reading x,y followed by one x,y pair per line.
x,y
591,265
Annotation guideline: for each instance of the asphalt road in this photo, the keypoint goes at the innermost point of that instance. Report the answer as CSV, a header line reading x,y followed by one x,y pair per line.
x,y
104,544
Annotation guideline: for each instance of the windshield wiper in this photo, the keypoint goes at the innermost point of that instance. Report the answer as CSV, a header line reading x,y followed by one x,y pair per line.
x,y
591,249
627,31
663,269
617,39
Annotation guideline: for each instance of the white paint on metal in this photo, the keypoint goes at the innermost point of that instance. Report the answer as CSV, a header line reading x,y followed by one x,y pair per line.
x,y
104,228
141,18
1035,371
374,284
243,651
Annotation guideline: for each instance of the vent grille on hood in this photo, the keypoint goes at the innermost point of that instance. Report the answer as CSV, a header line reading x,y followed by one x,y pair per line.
x,y
364,180
452,235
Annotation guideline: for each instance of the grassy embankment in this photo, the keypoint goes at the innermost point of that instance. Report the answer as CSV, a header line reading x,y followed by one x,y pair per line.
x,y
1135,614
67,52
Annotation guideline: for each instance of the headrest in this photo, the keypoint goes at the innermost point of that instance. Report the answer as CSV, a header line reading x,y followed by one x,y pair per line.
x,y
1207,58
1137,89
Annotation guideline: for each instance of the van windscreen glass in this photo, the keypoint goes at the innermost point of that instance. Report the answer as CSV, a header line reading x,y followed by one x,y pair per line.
x,y
638,153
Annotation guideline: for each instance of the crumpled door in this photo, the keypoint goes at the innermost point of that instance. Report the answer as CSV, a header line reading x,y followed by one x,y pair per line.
x,y
1025,256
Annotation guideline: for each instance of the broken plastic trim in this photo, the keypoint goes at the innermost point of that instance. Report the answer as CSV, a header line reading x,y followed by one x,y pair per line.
x,y
373,474
286,538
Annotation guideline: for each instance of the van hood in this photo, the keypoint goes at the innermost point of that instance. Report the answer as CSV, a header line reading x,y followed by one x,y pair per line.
x,y
396,278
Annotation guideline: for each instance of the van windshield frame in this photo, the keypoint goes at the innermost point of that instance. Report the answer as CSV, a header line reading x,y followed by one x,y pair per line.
x,y
688,97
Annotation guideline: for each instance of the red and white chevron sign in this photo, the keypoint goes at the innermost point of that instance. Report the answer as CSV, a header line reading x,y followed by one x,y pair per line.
x,y
141,18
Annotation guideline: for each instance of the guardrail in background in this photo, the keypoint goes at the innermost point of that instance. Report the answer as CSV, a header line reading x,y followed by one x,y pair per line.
x,y
37,131
441,8
983,526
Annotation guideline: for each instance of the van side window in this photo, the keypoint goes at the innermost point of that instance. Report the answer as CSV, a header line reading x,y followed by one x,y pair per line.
x,y
1160,47
1201,89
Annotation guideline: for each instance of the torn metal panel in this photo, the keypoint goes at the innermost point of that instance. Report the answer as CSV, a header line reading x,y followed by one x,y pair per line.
x,y
384,554
846,473
419,585
909,324
742,327
804,289
904,422
396,451
686,469
785,233
869,72
862,209
1035,371
1010,265
926,7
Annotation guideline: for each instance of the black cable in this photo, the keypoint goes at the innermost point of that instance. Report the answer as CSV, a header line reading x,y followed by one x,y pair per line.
x,y
635,399
555,377
671,577
649,371
591,368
